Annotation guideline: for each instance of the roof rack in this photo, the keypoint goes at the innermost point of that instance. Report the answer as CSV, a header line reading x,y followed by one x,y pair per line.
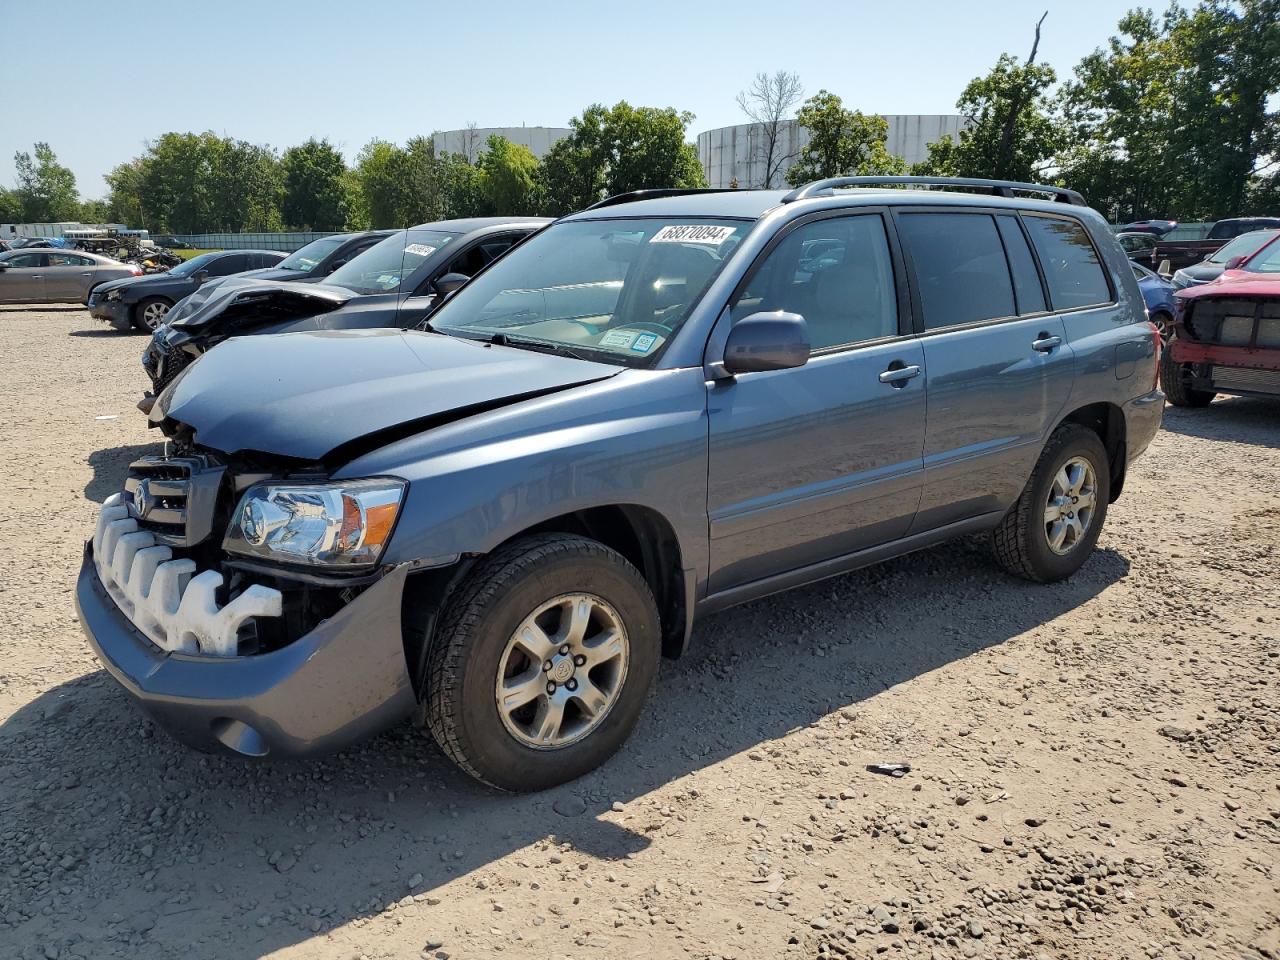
x,y
654,194
999,188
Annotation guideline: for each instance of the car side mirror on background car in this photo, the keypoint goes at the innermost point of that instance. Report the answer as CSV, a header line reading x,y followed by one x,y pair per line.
x,y
200,276
767,341
450,283
1233,262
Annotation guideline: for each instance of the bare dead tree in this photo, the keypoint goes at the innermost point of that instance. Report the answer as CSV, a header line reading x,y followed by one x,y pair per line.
x,y
471,142
767,102
1016,105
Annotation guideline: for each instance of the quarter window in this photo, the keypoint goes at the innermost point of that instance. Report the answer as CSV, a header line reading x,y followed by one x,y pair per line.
x,y
1072,270
960,267
836,273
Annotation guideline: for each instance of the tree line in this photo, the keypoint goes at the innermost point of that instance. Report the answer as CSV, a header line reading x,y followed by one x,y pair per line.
x,y
1172,118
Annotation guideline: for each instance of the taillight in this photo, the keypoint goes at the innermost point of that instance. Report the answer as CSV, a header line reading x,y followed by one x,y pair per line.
x,y
1159,346
135,270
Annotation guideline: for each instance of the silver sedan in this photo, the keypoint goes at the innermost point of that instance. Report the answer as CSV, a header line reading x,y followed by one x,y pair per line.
x,y
54,276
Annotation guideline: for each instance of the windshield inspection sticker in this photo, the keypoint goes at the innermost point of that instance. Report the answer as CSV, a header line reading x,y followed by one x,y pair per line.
x,y
644,343
618,338
693,233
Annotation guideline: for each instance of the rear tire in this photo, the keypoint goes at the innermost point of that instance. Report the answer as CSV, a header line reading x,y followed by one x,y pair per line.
x,y
1031,545
484,648
1175,381
149,313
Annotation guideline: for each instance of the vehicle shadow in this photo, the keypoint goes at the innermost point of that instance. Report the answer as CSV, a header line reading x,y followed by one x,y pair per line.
x,y
1251,420
237,859
95,332
111,464
40,307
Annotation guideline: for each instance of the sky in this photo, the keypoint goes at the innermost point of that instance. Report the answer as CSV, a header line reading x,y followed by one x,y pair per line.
x,y
112,76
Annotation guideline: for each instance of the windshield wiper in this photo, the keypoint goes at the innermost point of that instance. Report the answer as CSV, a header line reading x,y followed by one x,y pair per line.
x,y
542,346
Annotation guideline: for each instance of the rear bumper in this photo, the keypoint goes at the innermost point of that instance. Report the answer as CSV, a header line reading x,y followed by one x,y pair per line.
x,y
1142,417
342,682
115,312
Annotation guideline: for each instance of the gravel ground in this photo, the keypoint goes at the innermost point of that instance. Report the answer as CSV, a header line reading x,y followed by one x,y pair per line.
x,y
1095,767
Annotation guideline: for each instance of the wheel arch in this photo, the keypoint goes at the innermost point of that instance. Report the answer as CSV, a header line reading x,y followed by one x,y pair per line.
x,y
640,534
1107,421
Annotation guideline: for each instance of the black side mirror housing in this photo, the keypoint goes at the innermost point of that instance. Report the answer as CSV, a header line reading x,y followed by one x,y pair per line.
x,y
1233,262
450,283
767,341
200,276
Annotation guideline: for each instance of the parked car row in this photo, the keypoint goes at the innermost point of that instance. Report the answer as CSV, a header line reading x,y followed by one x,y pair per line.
x,y
46,275
498,509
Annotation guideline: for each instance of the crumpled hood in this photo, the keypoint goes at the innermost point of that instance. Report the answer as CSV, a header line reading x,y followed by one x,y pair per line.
x,y
303,395
235,302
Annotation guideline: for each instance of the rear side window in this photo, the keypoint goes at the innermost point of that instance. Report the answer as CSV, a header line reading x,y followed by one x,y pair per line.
x,y
1026,281
960,267
1072,271
225,266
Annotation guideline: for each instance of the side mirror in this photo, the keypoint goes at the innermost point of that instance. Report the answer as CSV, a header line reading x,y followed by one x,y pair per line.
x,y
200,276
449,284
767,341
334,266
1233,263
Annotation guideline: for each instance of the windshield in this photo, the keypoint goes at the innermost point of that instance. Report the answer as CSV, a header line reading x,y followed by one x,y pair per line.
x,y
1244,245
382,267
308,257
1267,260
188,267
616,289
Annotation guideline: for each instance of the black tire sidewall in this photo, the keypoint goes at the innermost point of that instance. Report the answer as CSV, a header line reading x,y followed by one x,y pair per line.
x,y
496,755
1049,565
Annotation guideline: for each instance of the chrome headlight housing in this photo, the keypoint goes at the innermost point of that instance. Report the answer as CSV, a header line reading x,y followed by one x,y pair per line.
x,y
112,295
343,524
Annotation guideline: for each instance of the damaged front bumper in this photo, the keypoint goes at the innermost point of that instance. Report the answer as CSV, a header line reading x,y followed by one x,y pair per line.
x,y
115,312
343,681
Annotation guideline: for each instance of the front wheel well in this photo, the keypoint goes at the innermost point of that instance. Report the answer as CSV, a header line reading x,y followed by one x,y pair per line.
x,y
1107,421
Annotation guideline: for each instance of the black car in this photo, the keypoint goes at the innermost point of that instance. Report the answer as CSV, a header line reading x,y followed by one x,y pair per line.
x,y
394,283
170,242
1157,227
142,302
319,258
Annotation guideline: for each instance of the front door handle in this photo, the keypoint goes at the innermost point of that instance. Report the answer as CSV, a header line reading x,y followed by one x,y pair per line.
x,y
898,376
1045,343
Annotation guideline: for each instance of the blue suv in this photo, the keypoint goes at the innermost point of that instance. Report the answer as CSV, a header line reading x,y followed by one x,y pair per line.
x,y
666,404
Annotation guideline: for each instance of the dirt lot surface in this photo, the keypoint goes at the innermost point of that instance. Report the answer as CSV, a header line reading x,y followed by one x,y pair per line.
x,y
1095,765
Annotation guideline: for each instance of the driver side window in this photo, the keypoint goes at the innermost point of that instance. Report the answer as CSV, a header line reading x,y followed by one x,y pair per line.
x,y
837,273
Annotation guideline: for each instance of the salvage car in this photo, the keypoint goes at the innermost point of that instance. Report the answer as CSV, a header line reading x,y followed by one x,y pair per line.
x,y
656,408
38,275
1137,246
394,283
1184,253
142,302
1227,335
1157,294
1234,252
319,258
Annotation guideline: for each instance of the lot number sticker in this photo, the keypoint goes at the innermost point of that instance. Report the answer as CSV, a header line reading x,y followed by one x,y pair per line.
x,y
693,233
618,338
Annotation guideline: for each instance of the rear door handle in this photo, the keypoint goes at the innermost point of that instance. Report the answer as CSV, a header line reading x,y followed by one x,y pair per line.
x,y
1045,343
898,376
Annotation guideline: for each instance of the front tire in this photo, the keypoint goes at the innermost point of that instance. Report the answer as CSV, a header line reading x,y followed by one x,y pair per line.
x,y
149,313
1052,528
1175,381
542,663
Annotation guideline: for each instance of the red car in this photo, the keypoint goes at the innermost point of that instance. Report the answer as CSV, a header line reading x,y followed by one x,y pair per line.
x,y
1227,335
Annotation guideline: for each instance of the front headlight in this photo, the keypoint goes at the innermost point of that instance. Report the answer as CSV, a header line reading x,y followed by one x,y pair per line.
x,y
112,295
340,524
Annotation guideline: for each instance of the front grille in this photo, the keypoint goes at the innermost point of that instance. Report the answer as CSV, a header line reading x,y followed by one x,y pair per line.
x,y
174,497
1228,379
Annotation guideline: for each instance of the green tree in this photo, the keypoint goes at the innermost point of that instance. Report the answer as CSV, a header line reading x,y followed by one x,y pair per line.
x,y
10,206
841,142
459,187
386,186
615,150
176,180
246,184
1012,132
508,178
94,211
124,193
316,193
46,189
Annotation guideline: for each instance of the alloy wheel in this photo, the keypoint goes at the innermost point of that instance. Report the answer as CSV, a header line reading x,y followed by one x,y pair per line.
x,y
562,671
1068,511
153,315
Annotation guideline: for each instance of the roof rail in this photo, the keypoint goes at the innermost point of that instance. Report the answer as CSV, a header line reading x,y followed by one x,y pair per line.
x,y
654,194
999,188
